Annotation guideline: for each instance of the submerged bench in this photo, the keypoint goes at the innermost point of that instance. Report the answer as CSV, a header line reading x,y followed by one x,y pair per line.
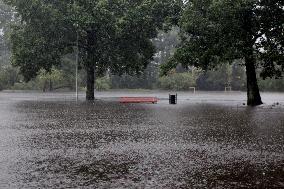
x,y
153,100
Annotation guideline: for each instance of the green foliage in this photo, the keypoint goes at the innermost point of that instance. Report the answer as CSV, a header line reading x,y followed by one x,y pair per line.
x,y
113,35
54,74
166,68
177,81
32,53
165,44
213,32
32,85
103,84
45,81
62,77
238,76
272,85
8,76
145,80
6,18
221,77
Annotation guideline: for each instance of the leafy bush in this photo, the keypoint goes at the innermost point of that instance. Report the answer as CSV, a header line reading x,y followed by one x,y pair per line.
x,y
32,85
271,84
8,76
177,81
103,84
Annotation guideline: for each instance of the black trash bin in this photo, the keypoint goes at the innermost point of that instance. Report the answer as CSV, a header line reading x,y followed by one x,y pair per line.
x,y
173,99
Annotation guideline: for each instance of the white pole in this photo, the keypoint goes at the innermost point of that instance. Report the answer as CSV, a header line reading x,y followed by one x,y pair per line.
x,y
77,58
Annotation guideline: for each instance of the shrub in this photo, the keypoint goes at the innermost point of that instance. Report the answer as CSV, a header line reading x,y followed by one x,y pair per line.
x,y
271,84
177,81
32,85
103,84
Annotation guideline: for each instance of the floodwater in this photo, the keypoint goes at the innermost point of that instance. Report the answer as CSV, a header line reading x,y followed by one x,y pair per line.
x,y
208,140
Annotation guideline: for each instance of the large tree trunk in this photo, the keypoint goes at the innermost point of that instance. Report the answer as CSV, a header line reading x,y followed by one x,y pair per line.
x,y
90,82
253,96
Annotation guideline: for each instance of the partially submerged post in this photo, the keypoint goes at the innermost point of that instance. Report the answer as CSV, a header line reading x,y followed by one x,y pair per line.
x,y
77,64
194,89
229,88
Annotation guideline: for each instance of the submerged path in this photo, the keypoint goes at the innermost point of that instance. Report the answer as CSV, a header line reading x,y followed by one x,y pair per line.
x,y
50,141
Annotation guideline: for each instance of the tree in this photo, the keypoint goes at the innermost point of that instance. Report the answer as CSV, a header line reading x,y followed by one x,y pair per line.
x,y
165,44
178,81
112,35
8,74
220,31
6,17
47,80
145,80
216,79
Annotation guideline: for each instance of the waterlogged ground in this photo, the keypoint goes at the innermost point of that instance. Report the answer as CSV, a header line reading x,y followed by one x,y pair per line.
x,y
208,140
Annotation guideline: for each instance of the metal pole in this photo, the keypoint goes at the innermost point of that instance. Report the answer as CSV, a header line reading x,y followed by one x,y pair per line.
x,y
77,58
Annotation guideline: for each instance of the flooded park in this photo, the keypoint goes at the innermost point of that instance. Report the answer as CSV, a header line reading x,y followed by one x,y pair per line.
x,y
207,140
148,94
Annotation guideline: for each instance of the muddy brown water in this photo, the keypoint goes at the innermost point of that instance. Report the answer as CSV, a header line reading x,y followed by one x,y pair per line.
x,y
208,140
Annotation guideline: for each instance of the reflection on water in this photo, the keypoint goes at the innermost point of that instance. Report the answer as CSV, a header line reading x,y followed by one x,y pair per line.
x,y
52,143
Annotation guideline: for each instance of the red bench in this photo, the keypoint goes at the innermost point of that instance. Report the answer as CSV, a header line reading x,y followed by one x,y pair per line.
x,y
153,100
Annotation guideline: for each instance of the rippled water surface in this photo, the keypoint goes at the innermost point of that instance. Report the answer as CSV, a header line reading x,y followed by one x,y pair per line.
x,y
206,141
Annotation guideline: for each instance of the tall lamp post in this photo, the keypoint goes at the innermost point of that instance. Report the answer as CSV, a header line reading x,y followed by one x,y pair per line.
x,y
77,53
77,64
